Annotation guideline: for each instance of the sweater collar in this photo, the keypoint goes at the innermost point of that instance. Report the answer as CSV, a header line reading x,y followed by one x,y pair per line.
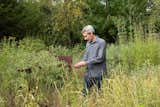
x,y
94,40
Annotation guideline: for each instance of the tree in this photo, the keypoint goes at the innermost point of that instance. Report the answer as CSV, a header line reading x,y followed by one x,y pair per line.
x,y
67,22
19,18
97,15
130,12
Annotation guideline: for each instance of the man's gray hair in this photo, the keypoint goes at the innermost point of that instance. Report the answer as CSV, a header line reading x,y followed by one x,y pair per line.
x,y
88,29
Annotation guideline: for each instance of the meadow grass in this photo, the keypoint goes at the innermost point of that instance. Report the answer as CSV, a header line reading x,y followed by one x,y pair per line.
x,y
122,90
30,76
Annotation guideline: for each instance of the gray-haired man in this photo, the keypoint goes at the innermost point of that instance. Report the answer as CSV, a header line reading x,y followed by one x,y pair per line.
x,y
94,59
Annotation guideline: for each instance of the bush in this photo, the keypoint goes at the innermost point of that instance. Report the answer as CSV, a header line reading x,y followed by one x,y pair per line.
x,y
27,70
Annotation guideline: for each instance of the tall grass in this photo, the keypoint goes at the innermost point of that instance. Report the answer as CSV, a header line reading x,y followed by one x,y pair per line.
x,y
28,71
30,76
141,90
135,54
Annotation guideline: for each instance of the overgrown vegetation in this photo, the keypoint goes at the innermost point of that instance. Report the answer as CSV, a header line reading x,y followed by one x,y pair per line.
x,y
59,22
33,33
134,54
31,76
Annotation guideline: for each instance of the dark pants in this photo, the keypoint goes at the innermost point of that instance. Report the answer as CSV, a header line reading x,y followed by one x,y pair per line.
x,y
89,82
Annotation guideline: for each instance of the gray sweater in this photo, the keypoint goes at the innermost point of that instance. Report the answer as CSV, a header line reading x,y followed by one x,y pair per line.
x,y
95,57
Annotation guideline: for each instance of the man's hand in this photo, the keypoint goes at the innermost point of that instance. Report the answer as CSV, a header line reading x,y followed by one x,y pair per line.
x,y
80,64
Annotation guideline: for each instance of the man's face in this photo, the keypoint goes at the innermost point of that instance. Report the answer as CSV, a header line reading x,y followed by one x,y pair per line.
x,y
88,36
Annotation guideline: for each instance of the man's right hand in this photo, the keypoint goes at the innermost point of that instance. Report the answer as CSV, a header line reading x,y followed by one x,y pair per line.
x,y
80,64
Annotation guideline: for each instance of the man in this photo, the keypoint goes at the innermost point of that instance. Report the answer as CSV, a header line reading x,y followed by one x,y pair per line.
x,y
94,59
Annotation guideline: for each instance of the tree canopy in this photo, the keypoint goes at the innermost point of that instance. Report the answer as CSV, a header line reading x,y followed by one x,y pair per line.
x,y
60,21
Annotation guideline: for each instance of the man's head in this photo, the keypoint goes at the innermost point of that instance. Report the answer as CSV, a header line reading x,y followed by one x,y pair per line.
x,y
88,33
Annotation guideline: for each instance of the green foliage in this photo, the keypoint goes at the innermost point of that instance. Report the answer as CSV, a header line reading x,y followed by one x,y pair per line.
x,y
141,90
31,44
31,75
99,18
59,22
134,54
28,69
19,18
67,22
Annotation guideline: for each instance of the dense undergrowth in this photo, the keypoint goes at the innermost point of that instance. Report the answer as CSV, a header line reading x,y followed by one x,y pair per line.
x,y
32,76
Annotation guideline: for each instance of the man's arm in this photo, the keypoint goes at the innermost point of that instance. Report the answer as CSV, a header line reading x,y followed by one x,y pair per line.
x,y
100,57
